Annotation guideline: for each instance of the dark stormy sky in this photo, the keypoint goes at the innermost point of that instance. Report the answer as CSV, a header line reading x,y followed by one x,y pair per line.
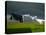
x,y
34,9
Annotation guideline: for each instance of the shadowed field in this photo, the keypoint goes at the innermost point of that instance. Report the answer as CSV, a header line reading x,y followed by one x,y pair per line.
x,y
25,27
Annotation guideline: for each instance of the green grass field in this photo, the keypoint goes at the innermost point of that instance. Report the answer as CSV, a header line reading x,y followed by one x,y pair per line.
x,y
34,26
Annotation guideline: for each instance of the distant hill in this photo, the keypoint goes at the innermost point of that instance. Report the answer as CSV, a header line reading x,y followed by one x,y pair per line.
x,y
34,9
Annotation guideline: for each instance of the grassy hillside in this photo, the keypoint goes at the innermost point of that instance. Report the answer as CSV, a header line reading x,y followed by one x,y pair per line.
x,y
30,26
